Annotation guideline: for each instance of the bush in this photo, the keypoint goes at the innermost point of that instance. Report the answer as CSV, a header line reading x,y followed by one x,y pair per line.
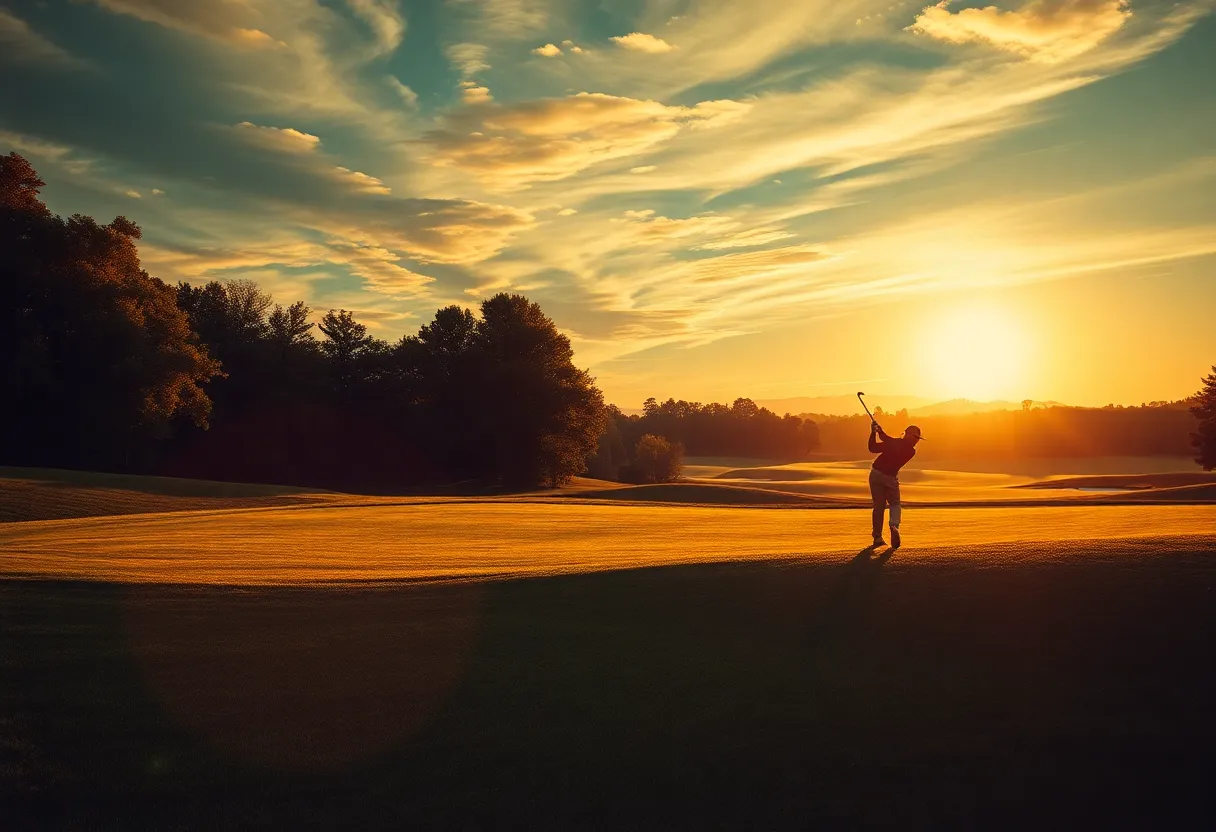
x,y
654,460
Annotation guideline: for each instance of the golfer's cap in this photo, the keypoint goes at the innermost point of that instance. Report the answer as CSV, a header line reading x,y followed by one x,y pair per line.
x,y
913,430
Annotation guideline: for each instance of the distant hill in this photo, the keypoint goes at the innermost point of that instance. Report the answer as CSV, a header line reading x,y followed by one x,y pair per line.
x,y
961,407
915,405
845,405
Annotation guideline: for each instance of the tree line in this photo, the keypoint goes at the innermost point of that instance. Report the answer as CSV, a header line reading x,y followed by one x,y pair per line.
x,y
116,370
738,429
1158,429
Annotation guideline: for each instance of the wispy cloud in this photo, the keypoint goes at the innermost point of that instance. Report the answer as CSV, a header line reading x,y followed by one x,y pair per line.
x,y
233,23
512,145
1045,30
505,18
45,151
20,43
285,139
359,182
469,58
404,91
384,19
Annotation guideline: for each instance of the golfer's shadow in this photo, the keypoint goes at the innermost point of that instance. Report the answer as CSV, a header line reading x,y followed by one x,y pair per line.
x,y
844,614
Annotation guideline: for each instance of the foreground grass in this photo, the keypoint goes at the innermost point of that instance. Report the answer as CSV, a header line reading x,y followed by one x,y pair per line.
x,y
1019,685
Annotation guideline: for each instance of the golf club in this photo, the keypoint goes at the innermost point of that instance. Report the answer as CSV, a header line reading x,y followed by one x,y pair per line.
x,y
867,410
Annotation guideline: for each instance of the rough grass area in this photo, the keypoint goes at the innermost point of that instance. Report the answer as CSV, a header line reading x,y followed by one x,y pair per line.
x,y
48,494
1004,690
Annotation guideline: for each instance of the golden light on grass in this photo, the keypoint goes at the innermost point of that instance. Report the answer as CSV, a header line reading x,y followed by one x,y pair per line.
x,y
976,351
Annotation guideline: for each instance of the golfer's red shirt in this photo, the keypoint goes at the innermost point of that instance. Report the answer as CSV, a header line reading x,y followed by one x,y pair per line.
x,y
893,454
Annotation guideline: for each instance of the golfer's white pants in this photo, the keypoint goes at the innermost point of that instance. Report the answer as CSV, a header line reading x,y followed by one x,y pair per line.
x,y
884,488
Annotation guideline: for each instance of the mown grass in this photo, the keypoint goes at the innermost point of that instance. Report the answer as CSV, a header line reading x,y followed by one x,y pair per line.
x,y
998,692
50,494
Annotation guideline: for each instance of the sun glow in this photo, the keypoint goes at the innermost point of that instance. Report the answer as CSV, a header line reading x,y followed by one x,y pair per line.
x,y
976,352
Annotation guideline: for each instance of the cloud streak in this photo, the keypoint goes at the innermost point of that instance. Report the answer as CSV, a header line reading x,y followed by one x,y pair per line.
x,y
384,19
21,44
510,146
230,22
1043,30
283,139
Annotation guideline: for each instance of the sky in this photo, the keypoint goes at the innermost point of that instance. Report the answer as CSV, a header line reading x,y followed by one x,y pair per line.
x,y
711,198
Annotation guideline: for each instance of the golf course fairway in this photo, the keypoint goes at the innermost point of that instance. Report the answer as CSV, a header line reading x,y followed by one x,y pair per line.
x,y
435,540
566,663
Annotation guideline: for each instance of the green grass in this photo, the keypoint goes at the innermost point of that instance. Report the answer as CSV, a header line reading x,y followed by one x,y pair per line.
x,y
997,691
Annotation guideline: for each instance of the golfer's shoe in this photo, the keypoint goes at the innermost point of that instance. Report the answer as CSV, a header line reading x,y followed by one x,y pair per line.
x,y
894,538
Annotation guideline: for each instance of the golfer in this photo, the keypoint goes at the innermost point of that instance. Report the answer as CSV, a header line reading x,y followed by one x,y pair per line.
x,y
893,454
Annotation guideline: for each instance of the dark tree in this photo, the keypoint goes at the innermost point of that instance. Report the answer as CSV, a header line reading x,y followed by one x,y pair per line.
x,y
95,351
290,327
346,341
19,189
1204,409
247,308
440,375
542,416
231,319
452,334
346,336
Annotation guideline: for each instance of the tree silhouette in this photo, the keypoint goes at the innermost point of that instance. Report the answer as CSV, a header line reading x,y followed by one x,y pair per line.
x,y
290,327
19,189
437,373
1204,409
346,340
96,350
542,415
346,335
247,308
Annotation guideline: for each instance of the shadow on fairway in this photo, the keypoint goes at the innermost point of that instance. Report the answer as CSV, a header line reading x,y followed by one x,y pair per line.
x,y
843,617
866,692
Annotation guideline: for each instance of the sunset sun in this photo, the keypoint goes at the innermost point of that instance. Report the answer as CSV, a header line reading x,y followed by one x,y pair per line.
x,y
976,352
